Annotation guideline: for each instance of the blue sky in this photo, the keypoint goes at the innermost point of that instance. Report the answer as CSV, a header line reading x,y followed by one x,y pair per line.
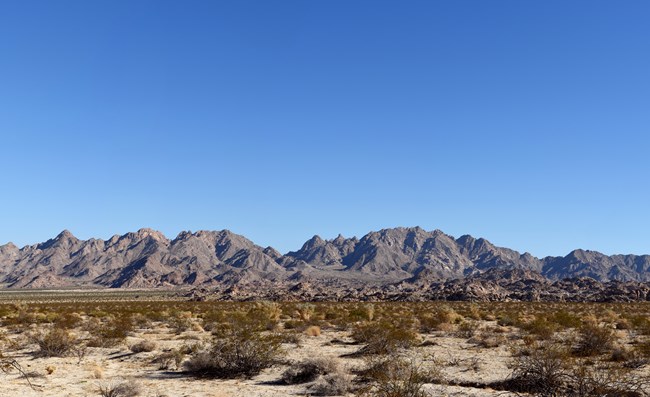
x,y
527,123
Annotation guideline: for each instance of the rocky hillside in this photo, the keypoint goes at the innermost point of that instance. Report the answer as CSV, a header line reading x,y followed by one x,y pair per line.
x,y
401,256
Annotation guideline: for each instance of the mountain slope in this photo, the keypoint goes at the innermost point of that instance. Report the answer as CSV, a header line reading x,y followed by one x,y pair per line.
x,y
147,258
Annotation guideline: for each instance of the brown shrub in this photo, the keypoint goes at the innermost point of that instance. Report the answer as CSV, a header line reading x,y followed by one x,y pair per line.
x,y
395,377
438,320
309,370
143,346
467,329
169,359
68,320
333,384
54,343
313,330
121,389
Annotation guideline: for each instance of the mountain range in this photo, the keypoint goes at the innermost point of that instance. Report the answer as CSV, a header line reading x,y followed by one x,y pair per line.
x,y
148,259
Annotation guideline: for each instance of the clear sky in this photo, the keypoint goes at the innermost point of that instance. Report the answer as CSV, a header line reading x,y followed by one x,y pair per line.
x,y
524,122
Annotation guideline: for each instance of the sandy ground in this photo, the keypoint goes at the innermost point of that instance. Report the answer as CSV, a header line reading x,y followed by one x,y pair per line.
x,y
459,360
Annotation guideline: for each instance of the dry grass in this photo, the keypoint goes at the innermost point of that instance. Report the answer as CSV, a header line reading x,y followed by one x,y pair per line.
x,y
588,349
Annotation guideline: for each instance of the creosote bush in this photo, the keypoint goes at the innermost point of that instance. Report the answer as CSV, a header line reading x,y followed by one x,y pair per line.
x,y
384,337
112,332
549,370
540,370
540,327
467,329
56,342
437,320
242,353
594,340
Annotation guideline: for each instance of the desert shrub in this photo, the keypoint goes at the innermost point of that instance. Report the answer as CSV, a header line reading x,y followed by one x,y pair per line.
x,y
540,327
8,364
594,340
395,377
364,312
384,337
304,311
467,329
643,349
141,320
539,371
22,318
268,313
54,343
112,332
68,320
179,322
507,321
297,325
313,330
289,337
333,384
242,354
488,340
637,357
623,324
620,354
473,312
169,359
586,381
240,320
121,389
436,320
566,320
143,346
309,370
641,324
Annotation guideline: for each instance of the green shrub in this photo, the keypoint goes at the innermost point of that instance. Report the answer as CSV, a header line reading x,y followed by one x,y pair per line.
x,y
384,337
540,327
594,340
241,354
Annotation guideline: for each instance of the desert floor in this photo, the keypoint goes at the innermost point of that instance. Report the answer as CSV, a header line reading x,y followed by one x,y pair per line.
x,y
472,349
458,359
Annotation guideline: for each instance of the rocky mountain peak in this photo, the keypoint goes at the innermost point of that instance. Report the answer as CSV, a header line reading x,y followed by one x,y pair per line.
x,y
147,232
8,247
315,241
184,235
384,257
65,235
64,240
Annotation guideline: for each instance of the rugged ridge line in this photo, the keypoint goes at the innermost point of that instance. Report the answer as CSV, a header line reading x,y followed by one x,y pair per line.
x,y
396,256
